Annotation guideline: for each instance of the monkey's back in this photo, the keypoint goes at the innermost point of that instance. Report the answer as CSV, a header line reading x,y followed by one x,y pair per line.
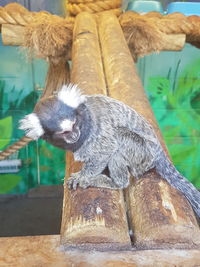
x,y
138,145
117,114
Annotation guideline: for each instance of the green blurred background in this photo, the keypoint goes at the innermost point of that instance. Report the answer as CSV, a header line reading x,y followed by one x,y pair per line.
x,y
172,83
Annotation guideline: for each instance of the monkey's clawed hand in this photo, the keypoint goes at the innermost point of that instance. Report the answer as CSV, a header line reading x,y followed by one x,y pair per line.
x,y
77,180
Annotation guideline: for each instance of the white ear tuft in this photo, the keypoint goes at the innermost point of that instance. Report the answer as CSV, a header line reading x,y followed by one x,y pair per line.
x,y
32,126
71,95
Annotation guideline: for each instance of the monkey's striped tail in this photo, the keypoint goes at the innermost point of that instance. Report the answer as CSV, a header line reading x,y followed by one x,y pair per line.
x,y
166,169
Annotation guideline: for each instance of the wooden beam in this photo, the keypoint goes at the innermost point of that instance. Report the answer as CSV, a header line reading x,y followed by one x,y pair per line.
x,y
153,206
173,42
94,217
14,35
46,251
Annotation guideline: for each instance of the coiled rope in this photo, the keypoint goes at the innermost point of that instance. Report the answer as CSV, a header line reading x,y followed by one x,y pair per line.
x,y
74,7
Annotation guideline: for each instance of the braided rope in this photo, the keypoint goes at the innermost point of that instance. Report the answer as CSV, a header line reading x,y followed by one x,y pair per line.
x,y
194,36
83,1
93,7
145,33
15,14
15,147
173,23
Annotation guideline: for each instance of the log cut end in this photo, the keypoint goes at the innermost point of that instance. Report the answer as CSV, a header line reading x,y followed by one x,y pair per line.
x,y
94,217
161,216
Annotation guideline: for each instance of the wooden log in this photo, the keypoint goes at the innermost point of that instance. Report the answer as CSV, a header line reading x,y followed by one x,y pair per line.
x,y
162,215
12,34
87,68
123,82
58,74
151,194
46,251
173,42
94,217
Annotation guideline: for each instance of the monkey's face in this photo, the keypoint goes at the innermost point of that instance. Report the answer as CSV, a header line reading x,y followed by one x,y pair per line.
x,y
70,132
58,118
53,120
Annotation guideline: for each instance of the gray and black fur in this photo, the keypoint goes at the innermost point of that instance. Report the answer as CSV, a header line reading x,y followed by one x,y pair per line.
x,y
106,134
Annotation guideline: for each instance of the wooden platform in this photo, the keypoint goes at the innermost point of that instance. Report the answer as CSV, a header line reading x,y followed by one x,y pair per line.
x,y
46,251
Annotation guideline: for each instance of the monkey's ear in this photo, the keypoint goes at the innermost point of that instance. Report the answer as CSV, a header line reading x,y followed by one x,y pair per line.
x,y
71,95
32,126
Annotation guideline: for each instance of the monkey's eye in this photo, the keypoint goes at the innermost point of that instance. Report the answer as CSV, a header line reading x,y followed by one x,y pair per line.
x,y
65,132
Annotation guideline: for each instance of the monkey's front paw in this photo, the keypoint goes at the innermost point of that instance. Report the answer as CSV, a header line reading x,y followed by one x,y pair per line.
x,y
75,181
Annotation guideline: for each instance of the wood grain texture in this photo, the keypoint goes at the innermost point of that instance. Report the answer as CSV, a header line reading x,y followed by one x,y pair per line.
x,y
158,214
45,251
173,42
58,75
122,79
93,217
87,68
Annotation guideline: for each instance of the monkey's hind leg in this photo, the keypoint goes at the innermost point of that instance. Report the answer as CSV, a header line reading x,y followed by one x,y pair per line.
x,y
118,178
119,174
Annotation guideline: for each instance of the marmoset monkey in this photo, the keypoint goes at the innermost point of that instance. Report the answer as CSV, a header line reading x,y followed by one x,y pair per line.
x,y
103,133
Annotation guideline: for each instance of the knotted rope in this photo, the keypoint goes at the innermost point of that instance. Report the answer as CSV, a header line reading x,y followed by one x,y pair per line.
x,y
148,33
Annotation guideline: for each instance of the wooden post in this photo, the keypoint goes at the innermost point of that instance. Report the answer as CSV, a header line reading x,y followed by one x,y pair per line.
x,y
94,217
153,206
58,74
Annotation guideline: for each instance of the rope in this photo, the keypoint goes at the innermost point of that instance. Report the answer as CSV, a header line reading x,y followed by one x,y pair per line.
x,y
173,23
147,33
15,147
74,7
15,14
83,1
194,36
